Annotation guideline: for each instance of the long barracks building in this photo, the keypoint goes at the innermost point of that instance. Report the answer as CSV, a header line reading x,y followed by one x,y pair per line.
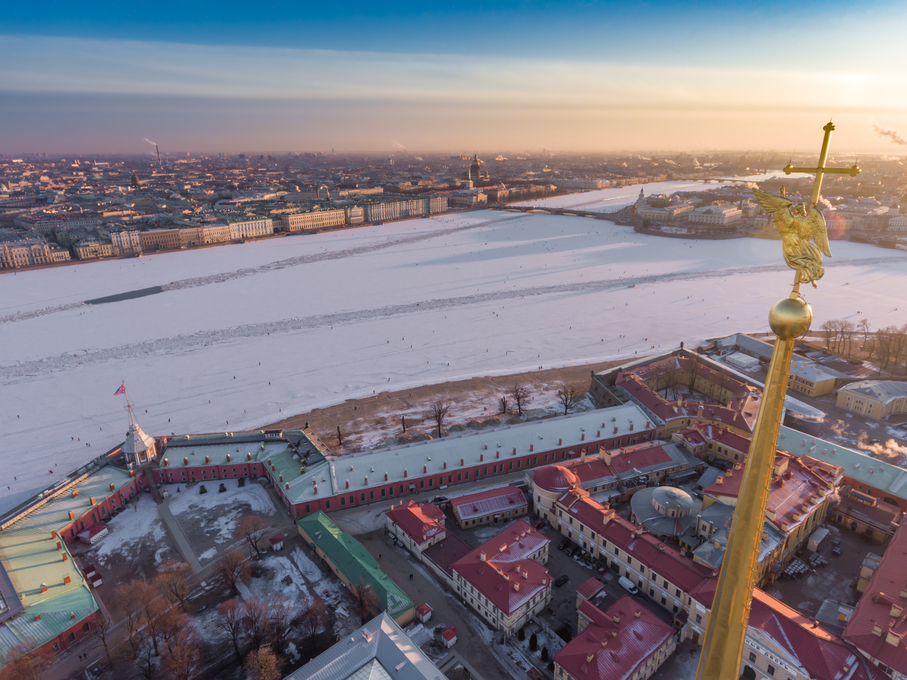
x,y
309,479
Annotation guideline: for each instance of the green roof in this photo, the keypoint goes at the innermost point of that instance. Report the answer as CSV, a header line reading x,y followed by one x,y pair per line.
x,y
354,562
31,559
858,466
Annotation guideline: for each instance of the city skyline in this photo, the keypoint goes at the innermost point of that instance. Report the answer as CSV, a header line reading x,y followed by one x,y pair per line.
x,y
662,76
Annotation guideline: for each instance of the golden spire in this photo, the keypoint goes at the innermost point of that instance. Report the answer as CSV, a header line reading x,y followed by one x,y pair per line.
x,y
789,319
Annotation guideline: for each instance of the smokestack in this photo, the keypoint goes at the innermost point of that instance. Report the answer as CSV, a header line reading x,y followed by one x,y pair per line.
x,y
158,156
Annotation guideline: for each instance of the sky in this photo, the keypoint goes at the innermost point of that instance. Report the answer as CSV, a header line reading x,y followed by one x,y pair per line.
x,y
490,76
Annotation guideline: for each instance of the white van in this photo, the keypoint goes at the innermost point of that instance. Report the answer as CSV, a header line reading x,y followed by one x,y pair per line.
x,y
627,585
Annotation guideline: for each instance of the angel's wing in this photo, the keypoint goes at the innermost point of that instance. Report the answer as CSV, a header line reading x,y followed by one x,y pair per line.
x,y
772,203
815,224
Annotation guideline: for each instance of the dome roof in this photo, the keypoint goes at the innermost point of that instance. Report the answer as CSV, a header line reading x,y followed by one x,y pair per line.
x,y
137,441
672,498
555,478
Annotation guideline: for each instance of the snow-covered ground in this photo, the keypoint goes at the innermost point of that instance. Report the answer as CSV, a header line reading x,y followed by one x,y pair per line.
x,y
247,334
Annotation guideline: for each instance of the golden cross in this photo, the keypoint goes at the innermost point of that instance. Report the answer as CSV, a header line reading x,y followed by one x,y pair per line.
x,y
821,169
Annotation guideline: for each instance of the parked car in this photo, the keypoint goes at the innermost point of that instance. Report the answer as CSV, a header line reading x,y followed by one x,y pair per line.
x,y
601,569
628,585
540,524
563,544
561,580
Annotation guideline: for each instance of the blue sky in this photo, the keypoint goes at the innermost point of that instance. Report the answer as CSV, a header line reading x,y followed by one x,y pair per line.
x,y
517,75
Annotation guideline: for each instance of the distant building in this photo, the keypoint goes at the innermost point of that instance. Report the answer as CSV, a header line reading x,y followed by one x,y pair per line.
x,y
313,219
717,214
89,249
29,252
874,398
254,227
160,239
126,242
475,169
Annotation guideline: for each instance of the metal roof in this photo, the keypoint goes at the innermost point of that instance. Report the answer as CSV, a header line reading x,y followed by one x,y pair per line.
x,y
883,391
32,560
354,561
403,464
858,466
380,649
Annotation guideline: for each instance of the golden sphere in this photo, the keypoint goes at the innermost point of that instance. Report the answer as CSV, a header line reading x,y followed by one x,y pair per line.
x,y
790,318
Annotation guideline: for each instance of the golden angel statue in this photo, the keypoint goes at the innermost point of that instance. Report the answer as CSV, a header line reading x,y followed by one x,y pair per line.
x,y
797,228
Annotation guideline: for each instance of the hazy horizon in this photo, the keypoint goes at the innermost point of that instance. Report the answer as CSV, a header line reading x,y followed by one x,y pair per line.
x,y
569,77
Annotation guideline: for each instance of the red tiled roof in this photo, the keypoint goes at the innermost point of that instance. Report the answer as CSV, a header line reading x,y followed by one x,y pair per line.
x,y
554,477
883,607
488,502
655,555
506,576
741,414
789,490
423,609
609,650
450,633
823,655
446,552
419,522
589,588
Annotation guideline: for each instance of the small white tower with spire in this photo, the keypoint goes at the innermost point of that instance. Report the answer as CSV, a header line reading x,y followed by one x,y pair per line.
x,y
139,448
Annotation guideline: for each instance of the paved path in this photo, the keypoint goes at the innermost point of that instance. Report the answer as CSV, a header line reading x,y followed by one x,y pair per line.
x,y
447,609
181,542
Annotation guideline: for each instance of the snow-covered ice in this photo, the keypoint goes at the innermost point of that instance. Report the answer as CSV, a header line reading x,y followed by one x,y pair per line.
x,y
244,335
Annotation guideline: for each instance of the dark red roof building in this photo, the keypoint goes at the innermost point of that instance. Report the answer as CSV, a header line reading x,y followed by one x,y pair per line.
x,y
626,641
878,625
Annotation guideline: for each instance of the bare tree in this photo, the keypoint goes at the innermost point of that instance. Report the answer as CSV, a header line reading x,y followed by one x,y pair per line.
x,y
23,663
132,616
182,659
100,631
438,410
150,607
568,396
828,330
263,664
280,612
169,625
315,616
863,326
234,569
255,619
173,582
520,395
847,330
503,404
365,601
253,529
231,620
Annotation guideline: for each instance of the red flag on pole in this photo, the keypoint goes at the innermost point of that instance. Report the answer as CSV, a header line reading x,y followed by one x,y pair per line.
x,y
122,390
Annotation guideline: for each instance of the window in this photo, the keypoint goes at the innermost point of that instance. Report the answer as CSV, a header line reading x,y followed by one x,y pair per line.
x,y
363,495
72,637
327,505
698,618
371,495
342,501
86,627
752,657
771,670
390,490
430,483
307,510
352,499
